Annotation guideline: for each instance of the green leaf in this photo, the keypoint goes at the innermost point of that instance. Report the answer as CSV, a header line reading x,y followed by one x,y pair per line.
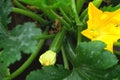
x,y
93,62
5,10
110,8
47,3
21,38
49,73
86,73
93,54
4,72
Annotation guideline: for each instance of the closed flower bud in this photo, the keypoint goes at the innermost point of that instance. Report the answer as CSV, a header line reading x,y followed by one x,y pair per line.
x,y
48,58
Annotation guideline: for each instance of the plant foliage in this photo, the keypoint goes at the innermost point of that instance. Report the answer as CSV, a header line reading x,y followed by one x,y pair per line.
x,y
49,73
92,63
64,20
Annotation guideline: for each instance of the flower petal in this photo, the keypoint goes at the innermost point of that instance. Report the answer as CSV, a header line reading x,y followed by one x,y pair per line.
x,y
103,26
109,40
93,12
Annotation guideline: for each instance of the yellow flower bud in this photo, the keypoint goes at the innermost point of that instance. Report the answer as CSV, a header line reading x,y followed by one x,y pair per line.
x,y
48,58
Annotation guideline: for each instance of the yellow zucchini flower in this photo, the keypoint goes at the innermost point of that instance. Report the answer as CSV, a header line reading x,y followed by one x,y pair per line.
x,y
103,26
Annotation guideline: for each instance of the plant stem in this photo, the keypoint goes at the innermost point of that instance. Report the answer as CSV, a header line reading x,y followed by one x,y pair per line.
x,y
75,13
69,50
18,4
60,19
57,42
45,36
30,14
65,61
79,4
65,16
79,36
28,61
78,23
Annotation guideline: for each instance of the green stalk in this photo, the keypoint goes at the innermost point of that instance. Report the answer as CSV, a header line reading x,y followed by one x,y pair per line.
x,y
60,19
45,36
30,14
28,61
84,13
69,50
19,5
78,23
44,10
56,44
79,35
79,5
65,61
49,14
65,16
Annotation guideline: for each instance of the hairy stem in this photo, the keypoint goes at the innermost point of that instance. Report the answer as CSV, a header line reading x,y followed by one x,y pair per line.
x,y
60,19
65,61
79,4
45,36
18,4
30,14
65,16
78,22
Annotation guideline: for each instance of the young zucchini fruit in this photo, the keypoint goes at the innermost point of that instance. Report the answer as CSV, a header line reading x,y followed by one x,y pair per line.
x,y
49,57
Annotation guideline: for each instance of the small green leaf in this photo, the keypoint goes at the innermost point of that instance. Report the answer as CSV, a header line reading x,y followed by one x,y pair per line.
x,y
49,73
21,38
